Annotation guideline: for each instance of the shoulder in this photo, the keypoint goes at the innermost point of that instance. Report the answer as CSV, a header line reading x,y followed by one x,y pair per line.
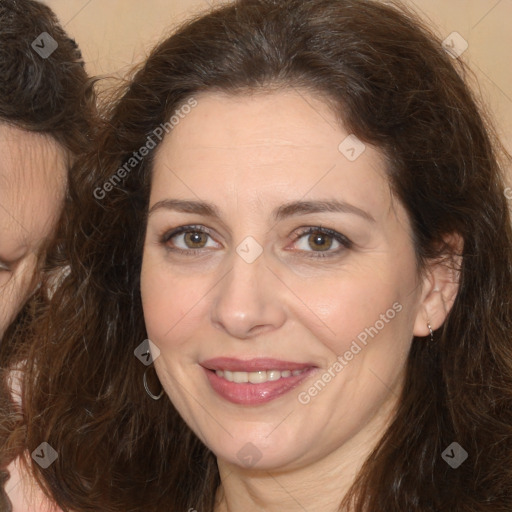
x,y
23,492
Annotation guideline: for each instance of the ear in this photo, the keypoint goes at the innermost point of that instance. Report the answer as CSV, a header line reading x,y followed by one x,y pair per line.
x,y
440,284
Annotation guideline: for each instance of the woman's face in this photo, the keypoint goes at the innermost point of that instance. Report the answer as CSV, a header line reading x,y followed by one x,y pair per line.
x,y
32,187
279,280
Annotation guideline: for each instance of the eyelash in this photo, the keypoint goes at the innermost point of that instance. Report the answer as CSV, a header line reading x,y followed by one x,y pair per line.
x,y
341,239
4,267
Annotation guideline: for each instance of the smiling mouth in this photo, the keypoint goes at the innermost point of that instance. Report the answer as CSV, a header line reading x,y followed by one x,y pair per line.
x,y
258,377
255,381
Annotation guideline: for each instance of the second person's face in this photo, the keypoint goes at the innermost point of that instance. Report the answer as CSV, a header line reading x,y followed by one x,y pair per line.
x,y
33,173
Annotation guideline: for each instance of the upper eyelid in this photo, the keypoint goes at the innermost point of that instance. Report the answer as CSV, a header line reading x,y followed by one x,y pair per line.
x,y
304,230
168,234
19,253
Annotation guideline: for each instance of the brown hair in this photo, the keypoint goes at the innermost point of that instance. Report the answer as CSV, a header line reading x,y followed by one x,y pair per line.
x,y
390,83
49,93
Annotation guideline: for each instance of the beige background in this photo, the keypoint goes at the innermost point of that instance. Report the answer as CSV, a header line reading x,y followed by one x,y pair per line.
x,y
115,34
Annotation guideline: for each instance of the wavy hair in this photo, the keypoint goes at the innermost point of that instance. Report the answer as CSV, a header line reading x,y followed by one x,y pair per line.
x,y
390,82
50,94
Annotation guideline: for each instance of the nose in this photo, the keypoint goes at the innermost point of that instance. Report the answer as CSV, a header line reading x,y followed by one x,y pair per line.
x,y
247,301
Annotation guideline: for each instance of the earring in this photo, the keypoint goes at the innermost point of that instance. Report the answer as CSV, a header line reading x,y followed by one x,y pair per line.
x,y
145,382
431,332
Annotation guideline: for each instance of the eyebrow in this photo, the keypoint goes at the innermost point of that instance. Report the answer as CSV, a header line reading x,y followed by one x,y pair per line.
x,y
178,205
286,210
332,206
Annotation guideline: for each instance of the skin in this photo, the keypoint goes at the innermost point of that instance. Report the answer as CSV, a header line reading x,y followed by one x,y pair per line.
x,y
32,187
248,155
33,176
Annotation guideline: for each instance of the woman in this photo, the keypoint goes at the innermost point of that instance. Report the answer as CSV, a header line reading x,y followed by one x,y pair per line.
x,y
46,111
295,217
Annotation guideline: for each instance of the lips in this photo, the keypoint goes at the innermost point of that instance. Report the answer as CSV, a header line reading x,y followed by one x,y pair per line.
x,y
254,381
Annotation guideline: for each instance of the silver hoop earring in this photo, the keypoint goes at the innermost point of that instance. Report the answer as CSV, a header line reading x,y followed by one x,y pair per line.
x,y
431,332
145,382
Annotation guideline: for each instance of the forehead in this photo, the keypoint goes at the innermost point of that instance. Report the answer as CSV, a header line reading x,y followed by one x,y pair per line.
x,y
33,172
284,119
23,151
280,145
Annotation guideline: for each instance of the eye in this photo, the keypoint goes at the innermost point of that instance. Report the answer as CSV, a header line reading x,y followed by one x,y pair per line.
x,y
321,240
189,238
4,267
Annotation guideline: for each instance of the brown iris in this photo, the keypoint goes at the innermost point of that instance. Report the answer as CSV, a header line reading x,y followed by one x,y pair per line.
x,y
319,241
195,239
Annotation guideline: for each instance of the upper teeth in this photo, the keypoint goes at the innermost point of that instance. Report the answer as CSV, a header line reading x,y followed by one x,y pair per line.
x,y
256,377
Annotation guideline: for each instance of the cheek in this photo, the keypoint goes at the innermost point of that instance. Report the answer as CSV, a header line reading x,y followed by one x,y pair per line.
x,y
351,303
171,303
